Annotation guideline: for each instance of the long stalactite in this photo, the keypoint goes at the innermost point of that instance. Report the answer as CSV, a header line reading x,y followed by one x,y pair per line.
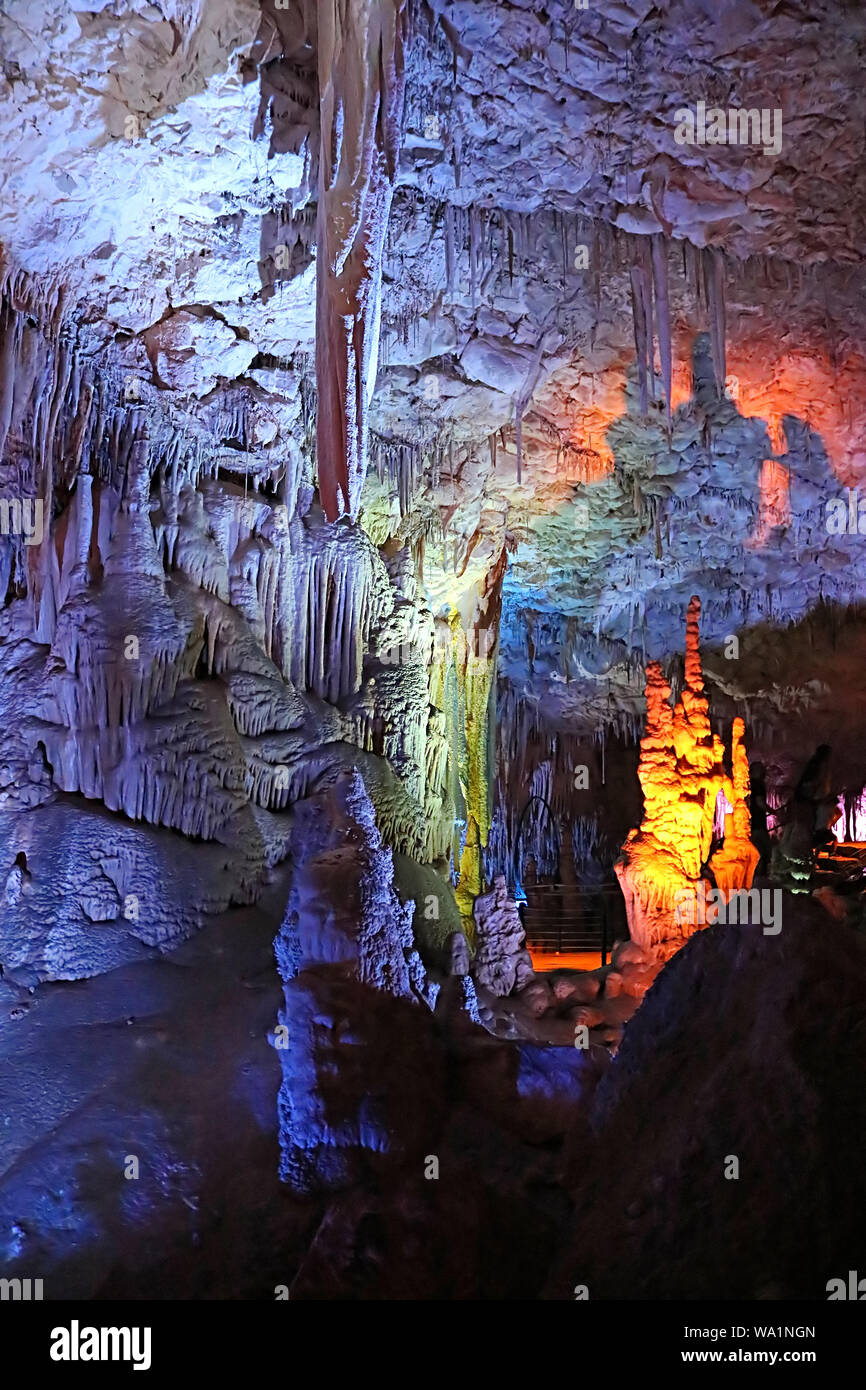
x,y
361,84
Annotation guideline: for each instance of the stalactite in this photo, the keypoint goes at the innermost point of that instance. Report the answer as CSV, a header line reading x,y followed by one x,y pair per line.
x,y
663,314
449,248
646,287
402,463
361,81
473,255
714,282
523,398
640,334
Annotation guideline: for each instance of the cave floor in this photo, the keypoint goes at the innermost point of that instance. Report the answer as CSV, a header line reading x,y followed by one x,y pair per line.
x,y
545,961
165,1061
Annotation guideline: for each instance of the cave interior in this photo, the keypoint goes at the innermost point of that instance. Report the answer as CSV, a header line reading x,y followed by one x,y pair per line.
x,y
433,786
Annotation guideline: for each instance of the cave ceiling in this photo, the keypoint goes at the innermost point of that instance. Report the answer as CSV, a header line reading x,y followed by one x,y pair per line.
x,y
160,188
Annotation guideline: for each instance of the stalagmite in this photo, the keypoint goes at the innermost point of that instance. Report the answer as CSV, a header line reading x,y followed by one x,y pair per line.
x,y
502,963
345,951
682,773
295,651
734,864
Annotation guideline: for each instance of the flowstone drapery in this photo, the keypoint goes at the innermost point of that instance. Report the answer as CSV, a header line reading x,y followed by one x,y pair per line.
x,y
188,649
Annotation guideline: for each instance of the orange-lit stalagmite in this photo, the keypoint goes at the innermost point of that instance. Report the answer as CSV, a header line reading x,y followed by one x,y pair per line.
x,y
734,864
681,773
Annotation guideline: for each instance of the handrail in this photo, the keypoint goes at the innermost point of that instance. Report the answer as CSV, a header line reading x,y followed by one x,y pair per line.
x,y
569,929
560,888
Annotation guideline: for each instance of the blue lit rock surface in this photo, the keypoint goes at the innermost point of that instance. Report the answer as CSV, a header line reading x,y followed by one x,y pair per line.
x,y
595,372
359,1059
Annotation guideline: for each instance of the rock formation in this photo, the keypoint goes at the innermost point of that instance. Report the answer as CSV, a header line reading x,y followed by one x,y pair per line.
x,y
361,84
377,378
660,1225
502,962
682,774
355,1052
733,864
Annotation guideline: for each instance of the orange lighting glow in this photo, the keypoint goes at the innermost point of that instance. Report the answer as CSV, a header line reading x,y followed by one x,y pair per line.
x,y
681,772
545,961
774,501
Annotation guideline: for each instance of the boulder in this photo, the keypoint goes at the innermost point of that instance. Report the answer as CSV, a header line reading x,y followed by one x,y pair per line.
x,y
580,989
748,1045
627,953
636,980
536,998
588,1016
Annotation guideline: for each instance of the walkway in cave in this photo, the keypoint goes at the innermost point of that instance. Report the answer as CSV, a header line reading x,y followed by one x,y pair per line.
x,y
569,926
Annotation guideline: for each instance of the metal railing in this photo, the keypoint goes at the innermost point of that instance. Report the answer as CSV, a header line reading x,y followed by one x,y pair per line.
x,y
563,918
